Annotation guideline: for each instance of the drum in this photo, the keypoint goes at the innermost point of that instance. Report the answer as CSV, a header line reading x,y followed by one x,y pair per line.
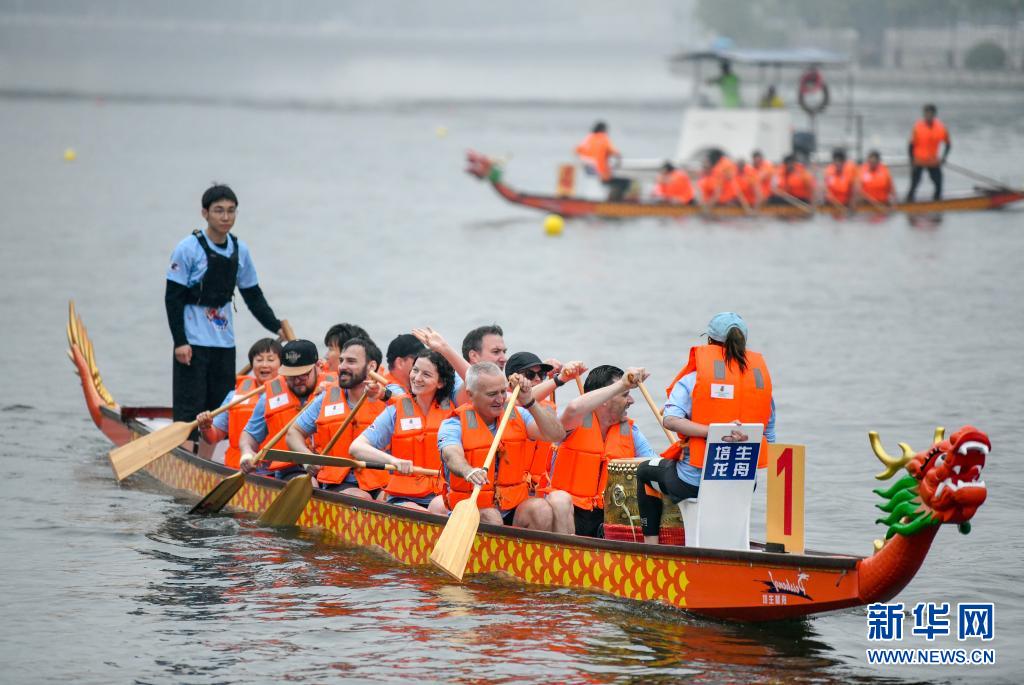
x,y
622,514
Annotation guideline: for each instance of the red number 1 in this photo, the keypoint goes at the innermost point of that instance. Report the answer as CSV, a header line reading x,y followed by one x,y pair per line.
x,y
785,463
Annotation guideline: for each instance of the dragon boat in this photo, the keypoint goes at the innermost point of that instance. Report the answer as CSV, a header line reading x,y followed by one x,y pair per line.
x,y
487,169
939,485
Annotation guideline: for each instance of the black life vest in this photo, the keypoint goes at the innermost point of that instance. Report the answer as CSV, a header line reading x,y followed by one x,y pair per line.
x,y
217,286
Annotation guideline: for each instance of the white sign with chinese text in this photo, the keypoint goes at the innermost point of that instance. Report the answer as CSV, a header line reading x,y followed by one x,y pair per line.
x,y
721,517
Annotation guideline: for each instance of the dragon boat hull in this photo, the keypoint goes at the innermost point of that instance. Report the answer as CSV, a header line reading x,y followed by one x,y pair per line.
x,y
578,207
723,584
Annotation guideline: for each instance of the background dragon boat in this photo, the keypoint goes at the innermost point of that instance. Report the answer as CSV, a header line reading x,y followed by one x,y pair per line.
x,y
939,485
487,169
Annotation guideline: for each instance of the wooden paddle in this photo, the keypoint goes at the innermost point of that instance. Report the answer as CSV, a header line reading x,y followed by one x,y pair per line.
x,y
451,553
579,384
137,454
794,200
884,209
222,492
324,460
286,334
289,504
654,410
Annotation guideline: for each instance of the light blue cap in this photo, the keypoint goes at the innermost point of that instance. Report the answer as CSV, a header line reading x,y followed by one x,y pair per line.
x,y
718,327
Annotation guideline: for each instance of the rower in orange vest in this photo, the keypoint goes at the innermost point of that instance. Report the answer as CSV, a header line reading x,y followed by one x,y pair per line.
x,y
406,432
465,439
543,388
265,360
874,181
705,183
596,152
598,431
925,138
337,335
285,396
839,178
723,179
673,185
722,382
321,419
765,171
401,355
794,179
747,183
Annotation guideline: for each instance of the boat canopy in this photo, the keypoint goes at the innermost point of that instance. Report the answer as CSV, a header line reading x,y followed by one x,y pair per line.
x,y
791,57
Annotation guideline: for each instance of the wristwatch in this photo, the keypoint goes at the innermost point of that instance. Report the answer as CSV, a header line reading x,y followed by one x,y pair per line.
x,y
558,380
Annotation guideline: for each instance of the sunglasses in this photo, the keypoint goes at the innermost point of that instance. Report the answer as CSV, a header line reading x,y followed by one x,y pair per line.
x,y
533,375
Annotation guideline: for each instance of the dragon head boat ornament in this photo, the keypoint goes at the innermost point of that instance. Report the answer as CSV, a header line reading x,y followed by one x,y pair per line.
x,y
943,484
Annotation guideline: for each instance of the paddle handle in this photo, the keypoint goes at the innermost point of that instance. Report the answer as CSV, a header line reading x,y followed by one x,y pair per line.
x,y
344,424
498,433
655,410
579,384
793,200
377,378
416,470
235,401
280,434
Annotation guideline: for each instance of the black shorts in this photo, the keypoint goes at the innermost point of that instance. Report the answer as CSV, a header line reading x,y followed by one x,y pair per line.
x,y
664,478
589,523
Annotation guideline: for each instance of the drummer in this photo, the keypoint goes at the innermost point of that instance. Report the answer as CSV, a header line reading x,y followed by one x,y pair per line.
x,y
598,431
721,382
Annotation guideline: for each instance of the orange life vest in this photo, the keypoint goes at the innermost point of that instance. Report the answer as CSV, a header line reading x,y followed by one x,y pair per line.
x,y
415,439
876,184
238,416
540,460
764,175
925,140
595,150
706,186
507,477
839,181
722,394
581,464
723,178
280,406
799,183
327,379
674,187
747,183
333,410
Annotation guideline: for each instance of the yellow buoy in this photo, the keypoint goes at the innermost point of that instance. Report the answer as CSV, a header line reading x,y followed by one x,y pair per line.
x,y
441,131
70,154
553,224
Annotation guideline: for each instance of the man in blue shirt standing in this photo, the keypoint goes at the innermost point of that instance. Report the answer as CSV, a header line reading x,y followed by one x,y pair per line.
x,y
204,270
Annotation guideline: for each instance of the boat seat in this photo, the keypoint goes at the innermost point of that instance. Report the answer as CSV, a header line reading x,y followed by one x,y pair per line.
x,y
719,522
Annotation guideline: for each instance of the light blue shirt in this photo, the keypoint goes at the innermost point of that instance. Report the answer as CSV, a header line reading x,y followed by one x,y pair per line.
x,y
380,432
450,432
680,405
221,420
208,326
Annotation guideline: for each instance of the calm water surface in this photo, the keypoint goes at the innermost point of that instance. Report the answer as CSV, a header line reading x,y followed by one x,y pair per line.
x,y
362,214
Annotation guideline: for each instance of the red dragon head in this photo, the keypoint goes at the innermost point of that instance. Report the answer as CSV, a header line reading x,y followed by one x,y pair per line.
x,y
944,485
950,474
478,165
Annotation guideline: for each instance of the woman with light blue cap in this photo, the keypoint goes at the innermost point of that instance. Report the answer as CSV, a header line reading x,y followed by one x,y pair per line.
x,y
722,382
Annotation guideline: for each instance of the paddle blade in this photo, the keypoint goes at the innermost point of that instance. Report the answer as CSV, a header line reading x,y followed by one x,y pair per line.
x,y
289,504
451,553
137,454
217,498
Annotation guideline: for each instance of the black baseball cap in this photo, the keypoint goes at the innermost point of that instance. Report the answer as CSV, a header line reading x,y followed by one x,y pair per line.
x,y
405,345
524,360
298,357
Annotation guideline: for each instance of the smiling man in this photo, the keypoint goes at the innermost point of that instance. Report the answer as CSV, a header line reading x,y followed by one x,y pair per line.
x,y
205,268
